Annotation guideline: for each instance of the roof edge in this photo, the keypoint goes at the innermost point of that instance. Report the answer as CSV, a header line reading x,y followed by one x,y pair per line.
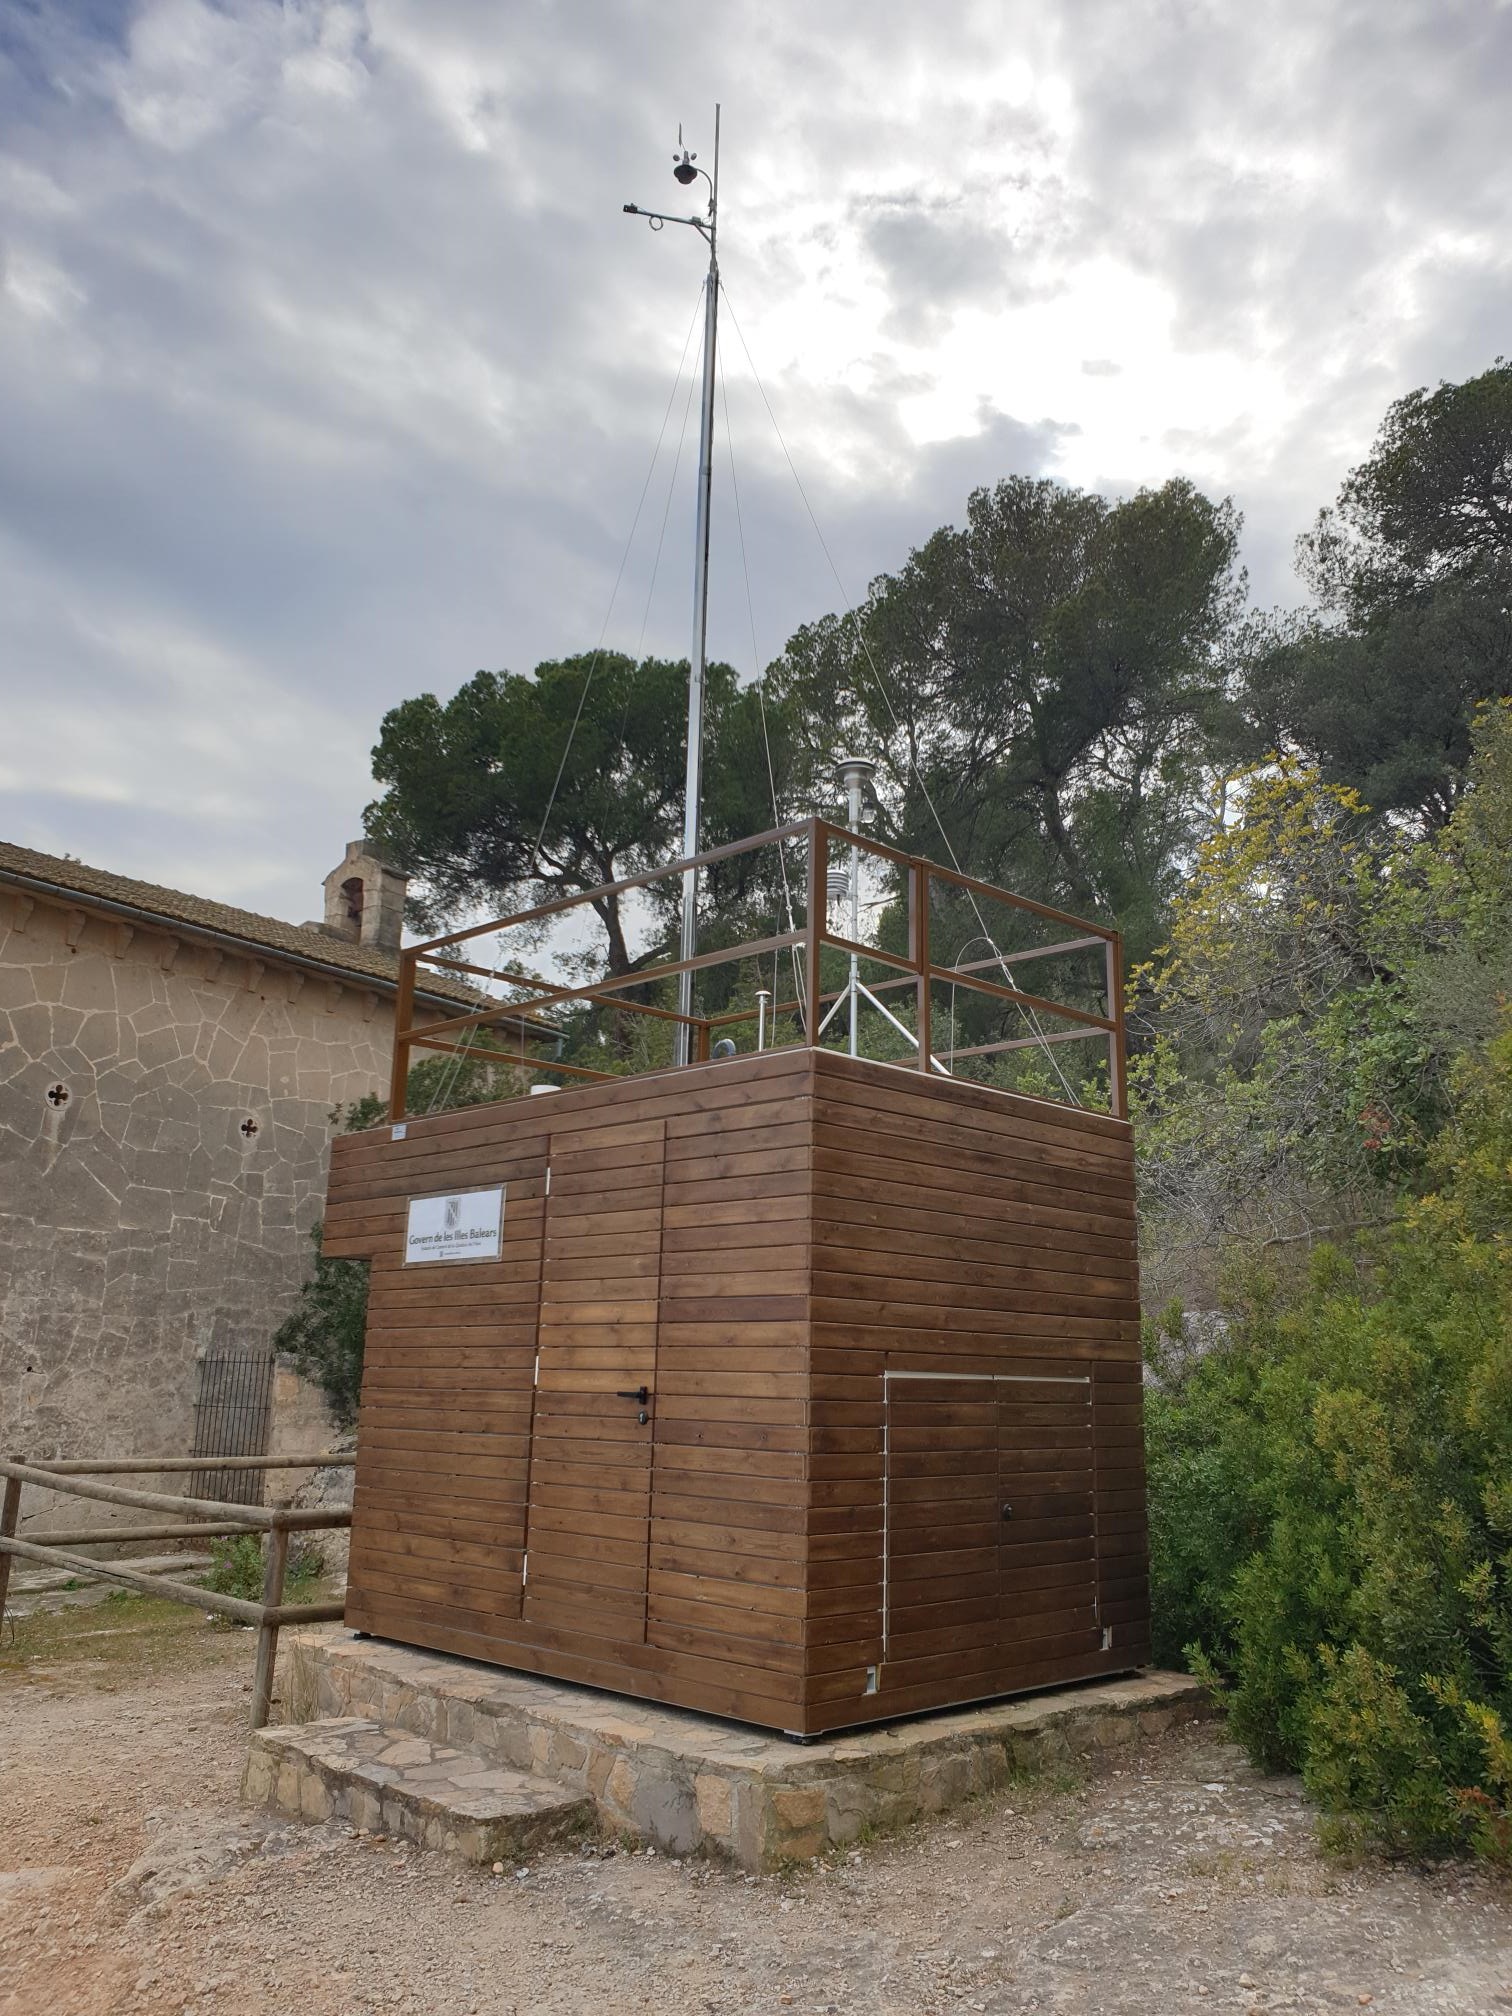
x,y
177,927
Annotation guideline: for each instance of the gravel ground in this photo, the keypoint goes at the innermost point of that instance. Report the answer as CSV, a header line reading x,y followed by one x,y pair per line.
x,y
131,1881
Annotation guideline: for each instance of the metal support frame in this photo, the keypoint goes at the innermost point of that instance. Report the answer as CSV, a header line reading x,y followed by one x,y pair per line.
x,y
690,1031
916,970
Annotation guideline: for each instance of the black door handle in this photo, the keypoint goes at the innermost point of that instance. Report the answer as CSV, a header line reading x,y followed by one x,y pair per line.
x,y
641,1393
1007,1511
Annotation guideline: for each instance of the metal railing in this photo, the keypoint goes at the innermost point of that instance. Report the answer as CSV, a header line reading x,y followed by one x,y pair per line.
x,y
199,1519
915,882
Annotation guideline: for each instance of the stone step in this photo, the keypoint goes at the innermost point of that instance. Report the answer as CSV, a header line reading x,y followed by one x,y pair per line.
x,y
43,1581
49,1589
392,1782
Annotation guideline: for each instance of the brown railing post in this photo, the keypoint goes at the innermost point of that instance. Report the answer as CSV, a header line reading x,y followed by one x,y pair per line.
x,y
10,1515
814,925
1118,1075
918,935
267,1632
404,1016
701,1041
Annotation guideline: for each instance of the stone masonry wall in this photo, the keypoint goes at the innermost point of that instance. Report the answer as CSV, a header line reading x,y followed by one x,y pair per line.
x,y
139,1223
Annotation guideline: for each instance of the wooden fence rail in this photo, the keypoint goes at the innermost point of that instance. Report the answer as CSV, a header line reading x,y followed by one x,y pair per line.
x,y
197,1517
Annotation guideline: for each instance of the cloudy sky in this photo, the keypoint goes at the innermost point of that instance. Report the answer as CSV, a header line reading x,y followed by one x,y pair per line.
x,y
330,368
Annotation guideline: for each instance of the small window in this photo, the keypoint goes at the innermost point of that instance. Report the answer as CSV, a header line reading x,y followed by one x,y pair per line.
x,y
352,895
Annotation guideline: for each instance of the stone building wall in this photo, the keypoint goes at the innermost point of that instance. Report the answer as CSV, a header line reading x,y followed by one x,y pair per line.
x,y
142,1219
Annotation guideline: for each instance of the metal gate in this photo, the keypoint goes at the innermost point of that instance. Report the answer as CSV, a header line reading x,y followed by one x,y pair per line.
x,y
233,1400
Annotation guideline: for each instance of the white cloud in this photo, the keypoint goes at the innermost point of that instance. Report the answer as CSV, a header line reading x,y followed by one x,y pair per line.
x,y
192,70
329,365
37,287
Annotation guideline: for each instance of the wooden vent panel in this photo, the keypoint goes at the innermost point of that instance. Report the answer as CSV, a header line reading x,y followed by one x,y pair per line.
x,y
989,1518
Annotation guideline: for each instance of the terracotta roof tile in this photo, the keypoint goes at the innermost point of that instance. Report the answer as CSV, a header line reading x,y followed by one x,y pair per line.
x,y
174,906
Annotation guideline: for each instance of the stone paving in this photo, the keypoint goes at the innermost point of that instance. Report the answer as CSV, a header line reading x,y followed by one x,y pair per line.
x,y
387,1781
686,1782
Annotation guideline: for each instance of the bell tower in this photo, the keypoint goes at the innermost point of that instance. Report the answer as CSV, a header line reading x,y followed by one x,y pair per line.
x,y
364,898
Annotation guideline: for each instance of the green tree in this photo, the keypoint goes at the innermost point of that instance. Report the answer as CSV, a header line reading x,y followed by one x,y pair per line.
x,y
1449,919
1050,676
1412,569
520,789
1431,504
1281,1084
1324,974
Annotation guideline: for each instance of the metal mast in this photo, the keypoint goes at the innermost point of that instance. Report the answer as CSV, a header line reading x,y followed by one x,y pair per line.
x,y
707,227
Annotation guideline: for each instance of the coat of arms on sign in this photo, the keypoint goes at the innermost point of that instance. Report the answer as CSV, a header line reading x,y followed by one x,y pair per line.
x,y
453,1213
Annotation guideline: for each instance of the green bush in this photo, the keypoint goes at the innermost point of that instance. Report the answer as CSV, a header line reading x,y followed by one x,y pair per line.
x,y
237,1569
324,1336
1331,1506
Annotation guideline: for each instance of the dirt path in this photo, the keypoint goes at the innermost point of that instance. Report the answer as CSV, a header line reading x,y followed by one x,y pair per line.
x,y
131,1881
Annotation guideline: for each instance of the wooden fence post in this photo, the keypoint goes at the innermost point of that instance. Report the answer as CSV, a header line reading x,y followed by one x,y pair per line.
x,y
1118,1066
10,1516
267,1635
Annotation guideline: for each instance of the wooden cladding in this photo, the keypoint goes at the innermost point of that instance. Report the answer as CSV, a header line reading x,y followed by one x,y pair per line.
x,y
588,1534
733,1420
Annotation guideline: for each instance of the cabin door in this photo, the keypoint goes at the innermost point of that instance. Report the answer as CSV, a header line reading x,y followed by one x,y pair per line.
x,y
990,1533
1047,1530
593,1425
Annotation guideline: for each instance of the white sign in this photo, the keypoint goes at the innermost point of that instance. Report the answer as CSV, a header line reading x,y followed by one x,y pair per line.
x,y
466,1226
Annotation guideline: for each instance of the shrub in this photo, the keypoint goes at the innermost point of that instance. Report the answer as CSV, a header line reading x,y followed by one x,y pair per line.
x,y
1331,1506
324,1335
237,1568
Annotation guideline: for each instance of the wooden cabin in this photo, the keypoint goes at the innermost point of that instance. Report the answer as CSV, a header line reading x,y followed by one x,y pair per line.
x,y
795,1387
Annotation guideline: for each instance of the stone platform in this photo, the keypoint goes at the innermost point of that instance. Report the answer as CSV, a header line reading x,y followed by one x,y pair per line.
x,y
686,1782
